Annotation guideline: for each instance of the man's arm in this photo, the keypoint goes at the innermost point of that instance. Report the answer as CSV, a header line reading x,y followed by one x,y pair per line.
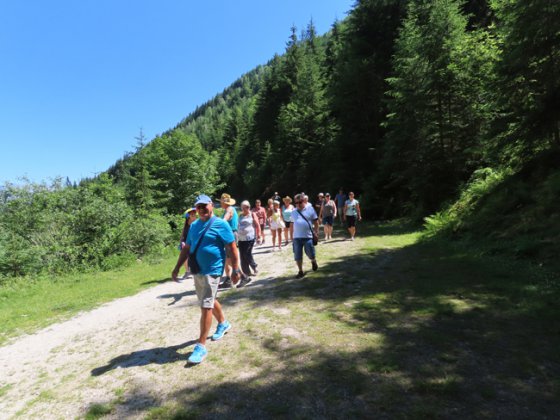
x,y
233,254
359,211
182,258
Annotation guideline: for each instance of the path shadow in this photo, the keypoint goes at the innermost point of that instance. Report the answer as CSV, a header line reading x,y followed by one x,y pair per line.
x,y
463,337
332,241
157,281
176,296
157,355
424,332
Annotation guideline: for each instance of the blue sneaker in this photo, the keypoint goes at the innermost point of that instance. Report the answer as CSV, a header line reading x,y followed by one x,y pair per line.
x,y
221,330
198,354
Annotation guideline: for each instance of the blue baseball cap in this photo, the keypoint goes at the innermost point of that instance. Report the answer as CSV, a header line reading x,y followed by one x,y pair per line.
x,y
203,199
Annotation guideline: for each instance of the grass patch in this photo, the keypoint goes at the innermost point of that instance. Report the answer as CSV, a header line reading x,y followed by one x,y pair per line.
x,y
28,305
97,411
4,389
171,413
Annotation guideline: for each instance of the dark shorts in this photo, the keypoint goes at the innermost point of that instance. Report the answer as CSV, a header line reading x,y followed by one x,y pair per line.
x,y
350,221
299,245
328,220
287,224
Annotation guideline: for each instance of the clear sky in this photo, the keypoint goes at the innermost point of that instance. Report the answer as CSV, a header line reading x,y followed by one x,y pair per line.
x,y
80,78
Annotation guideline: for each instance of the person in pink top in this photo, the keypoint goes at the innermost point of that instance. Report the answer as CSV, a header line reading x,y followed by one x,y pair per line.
x,y
260,212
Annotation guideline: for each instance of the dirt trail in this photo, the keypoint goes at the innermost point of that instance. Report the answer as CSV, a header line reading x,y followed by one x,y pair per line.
x,y
133,344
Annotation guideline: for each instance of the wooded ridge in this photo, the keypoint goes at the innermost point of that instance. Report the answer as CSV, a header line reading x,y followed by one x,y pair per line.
x,y
442,109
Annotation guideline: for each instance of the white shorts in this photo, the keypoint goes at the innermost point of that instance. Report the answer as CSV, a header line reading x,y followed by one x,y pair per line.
x,y
276,225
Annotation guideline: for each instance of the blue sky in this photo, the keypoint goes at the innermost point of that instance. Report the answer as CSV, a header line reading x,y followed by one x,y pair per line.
x,y
80,78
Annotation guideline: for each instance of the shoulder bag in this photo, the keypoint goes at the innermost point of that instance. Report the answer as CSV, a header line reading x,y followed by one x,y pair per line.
x,y
193,263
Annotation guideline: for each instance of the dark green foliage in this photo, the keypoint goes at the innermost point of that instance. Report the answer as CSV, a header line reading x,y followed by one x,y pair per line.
x,y
358,85
513,212
529,82
437,105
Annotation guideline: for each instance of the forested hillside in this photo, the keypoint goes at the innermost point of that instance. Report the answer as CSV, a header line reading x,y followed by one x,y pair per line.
x,y
412,104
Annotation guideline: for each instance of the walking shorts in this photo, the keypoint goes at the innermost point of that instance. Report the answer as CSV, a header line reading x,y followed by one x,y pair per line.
x,y
206,287
299,245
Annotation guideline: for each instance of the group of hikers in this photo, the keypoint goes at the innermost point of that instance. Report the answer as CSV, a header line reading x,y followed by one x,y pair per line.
x,y
218,251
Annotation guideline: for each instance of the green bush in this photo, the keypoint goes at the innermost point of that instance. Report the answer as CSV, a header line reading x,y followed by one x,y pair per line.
x,y
55,229
454,217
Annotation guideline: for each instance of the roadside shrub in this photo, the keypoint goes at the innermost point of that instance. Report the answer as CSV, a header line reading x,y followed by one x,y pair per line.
x,y
56,229
454,217
17,256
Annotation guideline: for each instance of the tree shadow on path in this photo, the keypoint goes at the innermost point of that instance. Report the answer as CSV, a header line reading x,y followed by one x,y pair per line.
x,y
157,355
176,296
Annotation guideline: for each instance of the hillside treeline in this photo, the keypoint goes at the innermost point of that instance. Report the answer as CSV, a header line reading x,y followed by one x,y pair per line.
x,y
412,104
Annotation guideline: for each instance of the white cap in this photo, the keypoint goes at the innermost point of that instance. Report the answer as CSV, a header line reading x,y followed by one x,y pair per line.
x,y
245,203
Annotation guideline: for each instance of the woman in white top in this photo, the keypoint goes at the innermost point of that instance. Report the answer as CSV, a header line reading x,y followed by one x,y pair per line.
x,y
287,210
351,214
276,225
248,230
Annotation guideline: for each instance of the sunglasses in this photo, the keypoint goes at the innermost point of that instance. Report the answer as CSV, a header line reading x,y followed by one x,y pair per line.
x,y
201,206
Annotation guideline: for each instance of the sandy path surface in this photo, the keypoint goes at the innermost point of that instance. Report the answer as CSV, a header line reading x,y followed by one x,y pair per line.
x,y
137,344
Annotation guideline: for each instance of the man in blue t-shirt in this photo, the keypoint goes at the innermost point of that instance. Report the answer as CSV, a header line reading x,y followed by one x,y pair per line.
x,y
211,240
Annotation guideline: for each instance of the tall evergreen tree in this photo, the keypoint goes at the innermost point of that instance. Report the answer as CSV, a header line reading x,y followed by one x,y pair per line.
x,y
139,183
529,81
357,87
435,119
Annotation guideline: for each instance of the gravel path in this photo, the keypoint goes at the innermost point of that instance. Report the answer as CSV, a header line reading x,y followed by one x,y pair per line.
x,y
136,345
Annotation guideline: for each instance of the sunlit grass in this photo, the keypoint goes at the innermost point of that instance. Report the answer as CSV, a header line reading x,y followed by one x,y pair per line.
x,y
26,306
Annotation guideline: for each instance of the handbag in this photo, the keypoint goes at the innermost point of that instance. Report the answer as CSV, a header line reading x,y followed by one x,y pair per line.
x,y
315,237
193,263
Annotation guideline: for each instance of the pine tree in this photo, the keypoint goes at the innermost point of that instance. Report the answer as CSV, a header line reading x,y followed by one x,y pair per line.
x,y
357,86
435,119
139,184
529,81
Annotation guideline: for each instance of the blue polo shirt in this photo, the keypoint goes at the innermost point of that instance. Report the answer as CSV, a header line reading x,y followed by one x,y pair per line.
x,y
234,221
211,253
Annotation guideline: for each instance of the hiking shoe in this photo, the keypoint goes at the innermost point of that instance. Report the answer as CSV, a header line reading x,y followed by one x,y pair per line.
x,y
244,281
300,275
198,354
221,330
226,284
314,265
